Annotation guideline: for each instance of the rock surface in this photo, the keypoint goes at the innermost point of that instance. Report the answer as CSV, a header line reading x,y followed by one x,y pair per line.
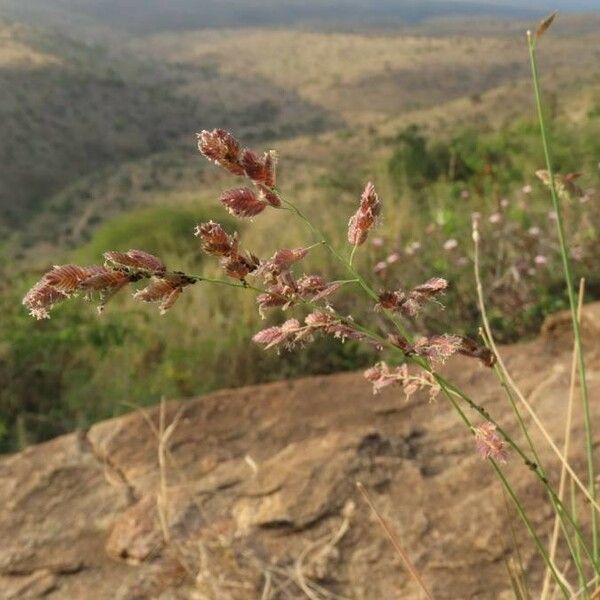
x,y
257,497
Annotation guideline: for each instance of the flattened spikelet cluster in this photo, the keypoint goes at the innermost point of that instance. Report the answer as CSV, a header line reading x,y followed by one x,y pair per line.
x,y
382,376
439,348
223,149
102,282
365,217
164,290
217,242
283,289
292,333
410,303
489,444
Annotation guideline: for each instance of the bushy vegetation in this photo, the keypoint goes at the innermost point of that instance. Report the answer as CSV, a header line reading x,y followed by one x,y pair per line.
x,y
78,367
492,176
75,112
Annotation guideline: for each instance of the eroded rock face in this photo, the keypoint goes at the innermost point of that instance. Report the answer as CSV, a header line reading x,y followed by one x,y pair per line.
x,y
258,497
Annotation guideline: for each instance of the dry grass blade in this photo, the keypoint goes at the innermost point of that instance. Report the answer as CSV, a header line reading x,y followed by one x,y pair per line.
x,y
324,547
412,570
545,25
266,593
566,445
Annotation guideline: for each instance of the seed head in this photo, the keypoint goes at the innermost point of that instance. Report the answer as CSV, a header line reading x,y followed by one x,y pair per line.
x,y
260,169
438,348
215,240
242,202
41,298
365,217
222,148
67,278
311,284
270,196
288,334
489,444
239,266
62,282
410,303
164,290
135,260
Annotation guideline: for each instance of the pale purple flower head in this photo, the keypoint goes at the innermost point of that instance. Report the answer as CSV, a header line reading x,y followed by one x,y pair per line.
x,y
489,444
393,258
450,244
380,267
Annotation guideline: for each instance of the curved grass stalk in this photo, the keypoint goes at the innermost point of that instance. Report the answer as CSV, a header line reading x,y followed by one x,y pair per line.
x,y
570,293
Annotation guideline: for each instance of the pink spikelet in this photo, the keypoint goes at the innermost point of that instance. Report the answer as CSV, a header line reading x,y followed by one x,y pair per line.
x,y
242,202
286,335
489,444
222,148
215,240
381,376
67,278
165,290
106,283
438,348
365,217
270,196
239,266
285,258
309,285
65,281
259,169
410,303
41,298
135,260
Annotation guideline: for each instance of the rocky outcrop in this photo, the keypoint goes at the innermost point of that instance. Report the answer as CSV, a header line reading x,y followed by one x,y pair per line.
x,y
252,495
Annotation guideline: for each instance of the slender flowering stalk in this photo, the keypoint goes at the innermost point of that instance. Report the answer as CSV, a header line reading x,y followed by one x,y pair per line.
x,y
531,42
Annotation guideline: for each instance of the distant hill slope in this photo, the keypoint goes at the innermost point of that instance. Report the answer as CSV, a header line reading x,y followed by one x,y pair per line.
x,y
70,109
128,136
370,76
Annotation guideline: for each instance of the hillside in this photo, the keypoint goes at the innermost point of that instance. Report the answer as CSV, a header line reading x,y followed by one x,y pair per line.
x,y
277,85
72,109
373,76
259,492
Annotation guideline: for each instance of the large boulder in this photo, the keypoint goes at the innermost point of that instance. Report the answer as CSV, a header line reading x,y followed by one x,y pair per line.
x,y
252,492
